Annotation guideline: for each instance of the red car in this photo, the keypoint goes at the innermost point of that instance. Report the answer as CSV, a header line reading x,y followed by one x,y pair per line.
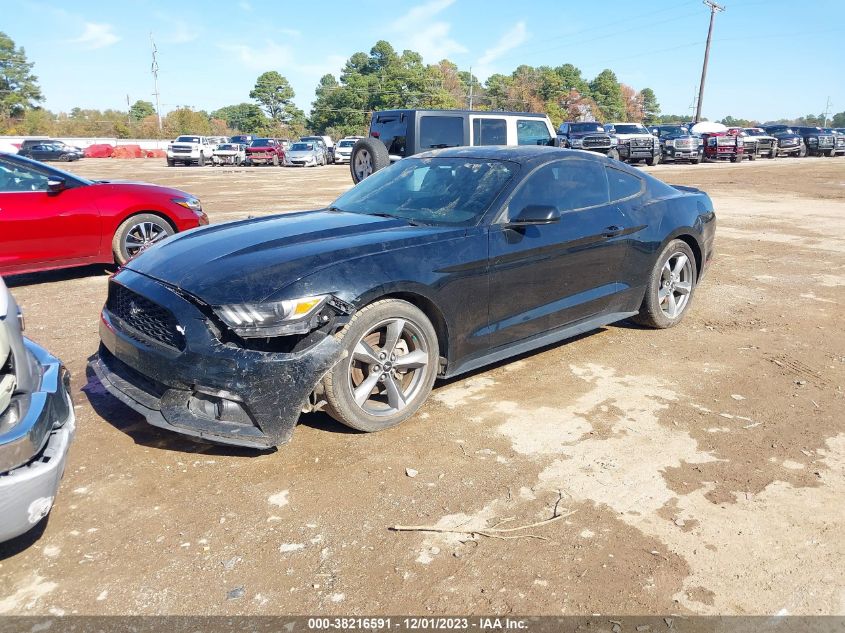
x,y
52,219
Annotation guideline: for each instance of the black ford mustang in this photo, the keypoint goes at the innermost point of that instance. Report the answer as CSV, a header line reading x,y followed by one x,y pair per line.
x,y
437,265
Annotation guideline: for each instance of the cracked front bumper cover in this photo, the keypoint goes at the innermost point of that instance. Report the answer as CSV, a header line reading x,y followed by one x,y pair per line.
x,y
268,390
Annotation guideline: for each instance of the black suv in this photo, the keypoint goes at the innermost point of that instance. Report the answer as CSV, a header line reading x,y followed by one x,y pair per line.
x,y
588,135
49,149
395,134
677,143
817,141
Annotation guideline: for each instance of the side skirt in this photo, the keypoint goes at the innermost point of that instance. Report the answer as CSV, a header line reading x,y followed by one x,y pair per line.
x,y
539,340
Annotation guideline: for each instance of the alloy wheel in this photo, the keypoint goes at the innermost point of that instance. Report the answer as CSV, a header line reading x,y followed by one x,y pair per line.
x,y
675,285
141,236
363,164
388,367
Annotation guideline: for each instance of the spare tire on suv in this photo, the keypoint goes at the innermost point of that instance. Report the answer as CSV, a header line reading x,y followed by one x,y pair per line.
x,y
368,156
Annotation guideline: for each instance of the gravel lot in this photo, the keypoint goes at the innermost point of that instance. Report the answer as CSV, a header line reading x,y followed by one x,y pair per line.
x,y
704,465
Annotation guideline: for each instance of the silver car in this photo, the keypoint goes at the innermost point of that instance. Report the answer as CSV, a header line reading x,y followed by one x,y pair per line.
x,y
343,150
305,154
37,424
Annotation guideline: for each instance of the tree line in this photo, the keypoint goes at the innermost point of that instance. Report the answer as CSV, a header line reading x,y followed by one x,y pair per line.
x,y
382,79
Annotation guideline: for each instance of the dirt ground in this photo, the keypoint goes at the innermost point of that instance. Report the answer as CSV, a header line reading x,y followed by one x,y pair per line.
x,y
704,466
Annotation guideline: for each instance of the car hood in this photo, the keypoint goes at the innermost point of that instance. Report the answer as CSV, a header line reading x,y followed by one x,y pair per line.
x,y
252,260
142,188
302,153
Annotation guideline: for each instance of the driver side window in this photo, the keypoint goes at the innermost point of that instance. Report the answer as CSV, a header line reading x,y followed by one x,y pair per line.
x,y
17,178
569,185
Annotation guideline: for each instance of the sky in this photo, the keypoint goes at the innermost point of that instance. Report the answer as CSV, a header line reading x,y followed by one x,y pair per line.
x,y
770,59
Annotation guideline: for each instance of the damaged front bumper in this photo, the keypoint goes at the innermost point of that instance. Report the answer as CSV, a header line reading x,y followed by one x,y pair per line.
x,y
37,445
212,390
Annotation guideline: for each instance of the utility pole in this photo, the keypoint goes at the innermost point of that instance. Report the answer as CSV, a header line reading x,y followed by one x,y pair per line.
x,y
826,111
714,8
154,70
471,82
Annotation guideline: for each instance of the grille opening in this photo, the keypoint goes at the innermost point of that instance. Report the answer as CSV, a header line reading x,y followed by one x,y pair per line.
x,y
144,316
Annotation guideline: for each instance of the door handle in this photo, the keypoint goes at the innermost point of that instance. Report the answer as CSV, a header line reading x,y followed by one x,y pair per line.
x,y
612,231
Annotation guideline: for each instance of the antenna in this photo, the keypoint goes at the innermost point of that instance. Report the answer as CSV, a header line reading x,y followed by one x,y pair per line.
x,y
154,71
714,8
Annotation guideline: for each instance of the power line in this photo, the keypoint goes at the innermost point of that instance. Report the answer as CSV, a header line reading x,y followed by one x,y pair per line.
x,y
714,8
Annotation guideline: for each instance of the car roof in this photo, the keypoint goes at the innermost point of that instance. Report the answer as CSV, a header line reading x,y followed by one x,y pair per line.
x,y
517,154
539,115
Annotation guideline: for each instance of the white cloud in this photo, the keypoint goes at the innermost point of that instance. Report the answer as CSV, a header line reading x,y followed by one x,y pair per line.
x,y
180,32
96,35
510,40
270,56
419,31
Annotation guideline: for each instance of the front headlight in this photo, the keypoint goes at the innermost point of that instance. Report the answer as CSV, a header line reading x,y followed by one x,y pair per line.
x,y
276,318
189,203
577,142
813,139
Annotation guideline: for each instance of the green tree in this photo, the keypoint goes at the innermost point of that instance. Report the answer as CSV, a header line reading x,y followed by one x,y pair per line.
x,y
734,122
19,89
275,95
141,109
607,92
244,117
838,120
651,109
186,121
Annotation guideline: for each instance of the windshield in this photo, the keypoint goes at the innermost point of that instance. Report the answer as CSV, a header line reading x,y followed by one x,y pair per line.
x,y
438,191
630,128
346,144
227,146
672,129
586,127
261,142
188,139
301,147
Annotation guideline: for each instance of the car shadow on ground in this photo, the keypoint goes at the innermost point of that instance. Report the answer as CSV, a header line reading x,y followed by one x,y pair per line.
x,y
62,274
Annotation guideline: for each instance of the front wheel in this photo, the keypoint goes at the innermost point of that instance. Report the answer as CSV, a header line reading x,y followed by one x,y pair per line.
x,y
201,161
137,234
613,153
654,160
670,287
275,161
390,366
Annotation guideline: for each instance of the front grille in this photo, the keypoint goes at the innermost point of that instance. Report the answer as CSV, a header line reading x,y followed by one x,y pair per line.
x,y
686,143
825,141
596,141
145,317
642,142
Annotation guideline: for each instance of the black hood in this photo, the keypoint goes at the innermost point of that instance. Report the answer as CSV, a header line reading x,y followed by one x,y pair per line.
x,y
252,260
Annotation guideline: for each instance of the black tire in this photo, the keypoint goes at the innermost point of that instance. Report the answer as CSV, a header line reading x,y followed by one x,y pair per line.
x,y
651,313
695,161
613,153
654,160
802,152
275,160
121,253
377,410
65,158
170,162
368,156
774,153
736,158
201,160
752,156
830,153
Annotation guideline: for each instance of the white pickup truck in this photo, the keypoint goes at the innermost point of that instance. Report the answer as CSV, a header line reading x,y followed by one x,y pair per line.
x,y
37,424
189,149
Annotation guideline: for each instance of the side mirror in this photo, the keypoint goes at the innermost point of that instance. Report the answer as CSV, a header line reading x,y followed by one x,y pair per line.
x,y
55,185
536,214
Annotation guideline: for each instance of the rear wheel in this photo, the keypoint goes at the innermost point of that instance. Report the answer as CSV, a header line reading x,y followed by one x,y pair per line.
x,y
138,233
368,156
390,366
670,287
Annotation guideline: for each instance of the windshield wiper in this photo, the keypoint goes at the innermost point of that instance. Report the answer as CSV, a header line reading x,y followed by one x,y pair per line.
x,y
397,217
336,209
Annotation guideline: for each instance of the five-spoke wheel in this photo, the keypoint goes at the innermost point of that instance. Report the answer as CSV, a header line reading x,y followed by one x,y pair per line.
x,y
670,287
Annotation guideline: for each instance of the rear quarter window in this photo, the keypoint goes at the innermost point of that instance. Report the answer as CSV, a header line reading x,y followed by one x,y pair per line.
x,y
622,184
489,132
392,130
441,131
